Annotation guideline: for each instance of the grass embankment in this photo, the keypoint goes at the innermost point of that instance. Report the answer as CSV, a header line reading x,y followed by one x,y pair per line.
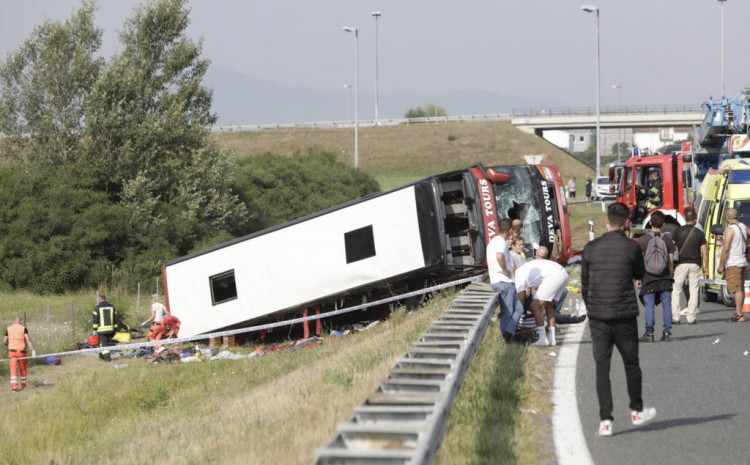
x,y
275,409
397,155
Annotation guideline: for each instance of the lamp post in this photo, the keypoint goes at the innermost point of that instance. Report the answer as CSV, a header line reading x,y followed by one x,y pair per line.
x,y
349,87
356,94
722,46
376,15
617,88
595,9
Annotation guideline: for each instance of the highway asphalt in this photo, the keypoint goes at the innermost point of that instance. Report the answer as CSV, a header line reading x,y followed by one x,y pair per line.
x,y
699,385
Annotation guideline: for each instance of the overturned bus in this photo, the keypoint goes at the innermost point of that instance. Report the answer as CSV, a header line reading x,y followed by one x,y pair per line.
x,y
430,231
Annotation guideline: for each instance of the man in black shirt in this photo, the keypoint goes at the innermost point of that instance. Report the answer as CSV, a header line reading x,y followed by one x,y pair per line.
x,y
692,259
610,265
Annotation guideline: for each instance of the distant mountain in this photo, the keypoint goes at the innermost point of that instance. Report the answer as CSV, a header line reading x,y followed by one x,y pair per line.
x,y
242,99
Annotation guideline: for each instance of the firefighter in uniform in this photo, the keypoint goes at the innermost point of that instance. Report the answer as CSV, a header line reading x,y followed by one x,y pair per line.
x,y
17,339
651,194
104,324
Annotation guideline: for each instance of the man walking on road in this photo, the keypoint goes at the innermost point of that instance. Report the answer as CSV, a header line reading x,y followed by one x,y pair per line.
x,y
657,284
17,339
732,262
692,256
610,264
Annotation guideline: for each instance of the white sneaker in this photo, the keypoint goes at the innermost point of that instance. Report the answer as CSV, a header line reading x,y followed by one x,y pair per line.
x,y
684,312
605,428
639,418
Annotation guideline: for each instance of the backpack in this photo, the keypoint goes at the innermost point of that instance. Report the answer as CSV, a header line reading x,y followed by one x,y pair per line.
x,y
655,257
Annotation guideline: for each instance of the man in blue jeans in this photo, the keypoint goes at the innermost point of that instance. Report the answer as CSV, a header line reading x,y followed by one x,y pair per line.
x,y
499,265
657,286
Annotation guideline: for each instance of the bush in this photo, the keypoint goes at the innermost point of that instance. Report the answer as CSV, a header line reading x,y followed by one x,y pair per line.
x,y
278,189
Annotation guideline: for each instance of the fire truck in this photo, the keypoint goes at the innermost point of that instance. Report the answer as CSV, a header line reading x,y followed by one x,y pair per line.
x,y
678,187
724,132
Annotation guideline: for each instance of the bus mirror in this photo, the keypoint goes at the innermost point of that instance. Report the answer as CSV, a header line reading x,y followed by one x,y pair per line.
x,y
717,230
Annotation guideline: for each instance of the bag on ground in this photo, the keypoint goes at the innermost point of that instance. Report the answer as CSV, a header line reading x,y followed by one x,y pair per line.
x,y
655,257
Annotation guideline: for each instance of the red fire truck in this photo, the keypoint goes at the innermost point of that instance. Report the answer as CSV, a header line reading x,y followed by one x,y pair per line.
x,y
677,178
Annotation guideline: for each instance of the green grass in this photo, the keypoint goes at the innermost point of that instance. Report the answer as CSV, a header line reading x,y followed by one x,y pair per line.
x,y
580,215
274,409
396,155
500,415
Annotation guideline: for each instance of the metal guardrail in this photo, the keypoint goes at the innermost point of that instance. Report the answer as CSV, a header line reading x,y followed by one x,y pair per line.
x,y
403,420
501,117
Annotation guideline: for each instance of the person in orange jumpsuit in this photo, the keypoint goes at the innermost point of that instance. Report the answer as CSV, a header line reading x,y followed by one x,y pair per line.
x,y
171,325
17,339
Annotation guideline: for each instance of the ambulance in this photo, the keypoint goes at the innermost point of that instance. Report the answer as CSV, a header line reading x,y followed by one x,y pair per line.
x,y
723,188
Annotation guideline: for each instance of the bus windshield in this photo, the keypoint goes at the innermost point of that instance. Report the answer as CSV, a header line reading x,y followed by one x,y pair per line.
x,y
523,197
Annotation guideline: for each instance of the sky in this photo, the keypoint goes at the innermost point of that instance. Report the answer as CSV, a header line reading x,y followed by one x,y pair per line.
x,y
287,60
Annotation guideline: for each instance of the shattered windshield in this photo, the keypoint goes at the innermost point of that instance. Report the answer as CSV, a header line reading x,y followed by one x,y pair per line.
x,y
519,198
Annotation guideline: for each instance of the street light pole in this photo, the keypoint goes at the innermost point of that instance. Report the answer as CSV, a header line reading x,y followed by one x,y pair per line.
x,y
620,138
356,94
376,15
595,9
349,87
722,47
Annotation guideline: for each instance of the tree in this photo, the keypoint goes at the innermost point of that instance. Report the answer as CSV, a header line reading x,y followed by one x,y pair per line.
x,y
148,129
429,110
277,189
44,87
120,171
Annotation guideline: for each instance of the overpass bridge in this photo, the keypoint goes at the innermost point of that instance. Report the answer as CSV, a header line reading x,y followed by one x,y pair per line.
x,y
536,121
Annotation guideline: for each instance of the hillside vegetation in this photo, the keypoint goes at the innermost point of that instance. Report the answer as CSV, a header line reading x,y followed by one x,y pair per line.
x,y
395,155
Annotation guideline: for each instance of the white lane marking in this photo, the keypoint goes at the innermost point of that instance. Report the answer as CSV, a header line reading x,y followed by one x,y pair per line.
x,y
570,444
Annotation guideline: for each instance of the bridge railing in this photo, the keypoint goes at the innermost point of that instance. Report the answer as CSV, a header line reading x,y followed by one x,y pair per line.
x,y
620,110
497,117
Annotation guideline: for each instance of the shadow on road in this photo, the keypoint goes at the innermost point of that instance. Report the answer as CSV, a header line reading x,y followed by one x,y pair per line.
x,y
664,424
696,336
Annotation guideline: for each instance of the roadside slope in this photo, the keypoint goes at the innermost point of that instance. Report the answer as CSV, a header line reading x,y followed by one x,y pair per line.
x,y
398,154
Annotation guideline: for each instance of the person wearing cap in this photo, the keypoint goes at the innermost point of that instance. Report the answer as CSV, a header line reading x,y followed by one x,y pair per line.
x,y
17,339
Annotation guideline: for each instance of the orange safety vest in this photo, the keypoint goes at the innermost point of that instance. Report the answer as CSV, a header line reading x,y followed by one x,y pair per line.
x,y
16,339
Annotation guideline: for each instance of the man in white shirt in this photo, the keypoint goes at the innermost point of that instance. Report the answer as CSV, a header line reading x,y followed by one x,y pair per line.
x,y
500,267
157,330
549,279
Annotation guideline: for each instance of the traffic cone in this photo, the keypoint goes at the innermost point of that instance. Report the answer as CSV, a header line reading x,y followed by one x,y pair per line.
x,y
746,302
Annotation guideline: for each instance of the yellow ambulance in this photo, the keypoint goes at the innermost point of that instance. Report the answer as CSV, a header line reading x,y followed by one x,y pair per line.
x,y
724,188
